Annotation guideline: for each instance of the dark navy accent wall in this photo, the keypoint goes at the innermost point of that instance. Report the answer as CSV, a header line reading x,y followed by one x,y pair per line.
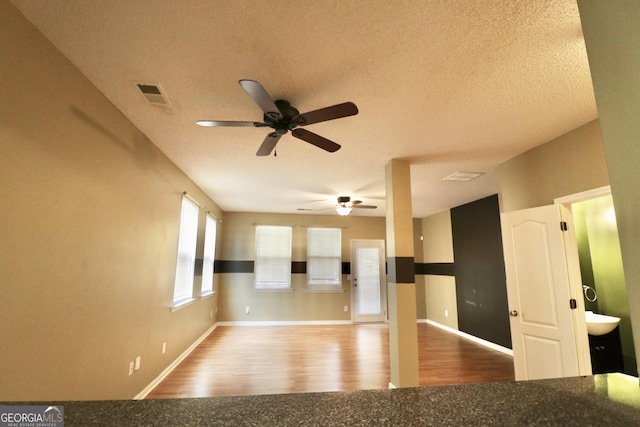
x,y
221,266
479,271
437,268
401,270
297,267
346,268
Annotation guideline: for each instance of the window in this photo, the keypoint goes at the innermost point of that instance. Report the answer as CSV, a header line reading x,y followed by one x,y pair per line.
x,y
183,289
273,257
324,258
208,255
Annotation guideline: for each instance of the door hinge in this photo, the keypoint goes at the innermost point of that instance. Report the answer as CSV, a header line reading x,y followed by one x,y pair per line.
x,y
563,226
573,304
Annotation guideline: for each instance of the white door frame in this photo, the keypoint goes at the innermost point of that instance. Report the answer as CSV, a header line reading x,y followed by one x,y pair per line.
x,y
579,320
379,244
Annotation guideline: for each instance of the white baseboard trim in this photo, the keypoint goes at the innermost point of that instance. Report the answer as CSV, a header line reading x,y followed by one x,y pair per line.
x,y
173,365
475,339
285,323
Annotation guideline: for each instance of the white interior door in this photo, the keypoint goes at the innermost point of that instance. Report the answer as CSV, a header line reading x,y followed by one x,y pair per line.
x,y
368,281
539,281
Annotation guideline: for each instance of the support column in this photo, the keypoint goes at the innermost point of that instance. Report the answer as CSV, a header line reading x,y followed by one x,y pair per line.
x,y
403,328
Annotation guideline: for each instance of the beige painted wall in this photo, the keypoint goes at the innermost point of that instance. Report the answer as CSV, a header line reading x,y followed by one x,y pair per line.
x,y
442,306
236,289
569,164
438,238
440,291
421,301
88,234
612,36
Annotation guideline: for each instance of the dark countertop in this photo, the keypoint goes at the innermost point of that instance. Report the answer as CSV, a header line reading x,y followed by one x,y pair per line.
x,y
599,400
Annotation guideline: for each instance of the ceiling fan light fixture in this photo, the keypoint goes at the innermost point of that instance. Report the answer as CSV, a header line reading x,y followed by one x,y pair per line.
x,y
343,210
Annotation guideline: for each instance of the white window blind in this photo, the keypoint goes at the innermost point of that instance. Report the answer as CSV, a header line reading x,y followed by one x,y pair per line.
x,y
208,255
183,289
324,258
273,257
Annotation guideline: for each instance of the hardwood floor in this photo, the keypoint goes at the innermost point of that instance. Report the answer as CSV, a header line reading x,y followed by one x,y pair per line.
x,y
250,360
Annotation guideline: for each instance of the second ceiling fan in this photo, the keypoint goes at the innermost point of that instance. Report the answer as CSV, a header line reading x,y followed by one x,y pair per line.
x,y
282,117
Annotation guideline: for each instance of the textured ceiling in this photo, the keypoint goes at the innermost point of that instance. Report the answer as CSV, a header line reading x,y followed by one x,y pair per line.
x,y
448,85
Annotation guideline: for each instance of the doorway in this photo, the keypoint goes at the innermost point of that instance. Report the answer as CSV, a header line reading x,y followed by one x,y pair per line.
x,y
368,281
601,267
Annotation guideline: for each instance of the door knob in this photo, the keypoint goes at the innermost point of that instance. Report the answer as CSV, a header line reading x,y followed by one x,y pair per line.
x,y
513,313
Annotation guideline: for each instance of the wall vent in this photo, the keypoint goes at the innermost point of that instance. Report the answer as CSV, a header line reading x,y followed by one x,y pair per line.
x,y
153,94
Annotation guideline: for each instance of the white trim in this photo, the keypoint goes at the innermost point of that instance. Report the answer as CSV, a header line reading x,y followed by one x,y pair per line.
x,y
173,365
191,199
285,323
475,339
207,295
585,195
182,303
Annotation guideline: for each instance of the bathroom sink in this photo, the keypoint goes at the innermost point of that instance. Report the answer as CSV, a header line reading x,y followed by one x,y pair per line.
x,y
600,324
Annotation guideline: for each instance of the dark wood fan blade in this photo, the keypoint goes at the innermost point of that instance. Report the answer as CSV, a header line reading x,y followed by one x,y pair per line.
x,y
216,123
268,144
358,204
316,140
261,97
314,210
329,113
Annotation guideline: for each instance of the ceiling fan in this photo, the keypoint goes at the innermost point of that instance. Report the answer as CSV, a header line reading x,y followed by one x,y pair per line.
x,y
344,206
282,117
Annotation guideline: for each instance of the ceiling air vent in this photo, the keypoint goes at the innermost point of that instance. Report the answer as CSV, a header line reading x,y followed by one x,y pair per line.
x,y
463,176
153,94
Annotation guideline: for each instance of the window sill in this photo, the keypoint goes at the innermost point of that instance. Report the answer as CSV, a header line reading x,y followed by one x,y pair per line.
x,y
207,295
273,289
325,290
182,303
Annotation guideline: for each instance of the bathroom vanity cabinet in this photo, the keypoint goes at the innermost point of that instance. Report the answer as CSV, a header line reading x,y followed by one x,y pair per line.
x,y
606,352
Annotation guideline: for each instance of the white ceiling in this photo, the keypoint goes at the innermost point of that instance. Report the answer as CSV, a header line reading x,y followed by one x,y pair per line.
x,y
448,85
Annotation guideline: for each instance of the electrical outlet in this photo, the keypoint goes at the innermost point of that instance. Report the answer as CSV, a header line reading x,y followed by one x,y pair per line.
x,y
131,368
164,347
346,308
137,364
211,314
446,313
247,309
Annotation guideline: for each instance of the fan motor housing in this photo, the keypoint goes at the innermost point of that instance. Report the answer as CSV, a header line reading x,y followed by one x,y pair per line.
x,y
290,118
